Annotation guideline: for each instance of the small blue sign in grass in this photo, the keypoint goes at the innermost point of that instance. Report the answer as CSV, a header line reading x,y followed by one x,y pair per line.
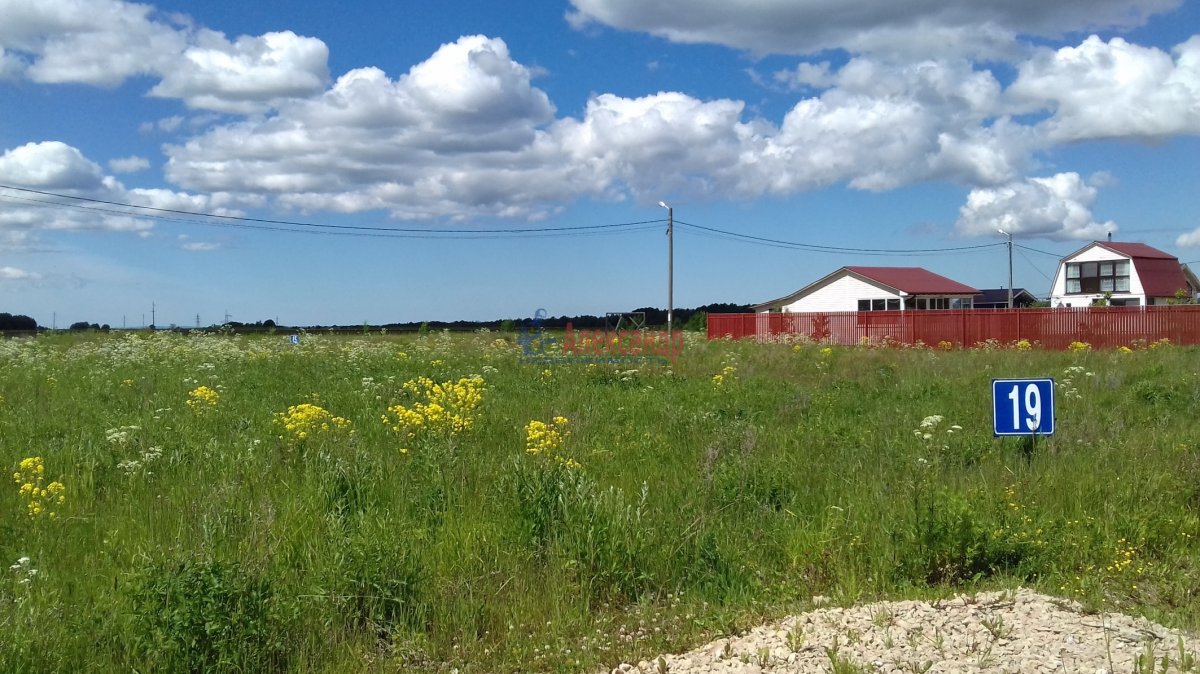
x,y
1023,406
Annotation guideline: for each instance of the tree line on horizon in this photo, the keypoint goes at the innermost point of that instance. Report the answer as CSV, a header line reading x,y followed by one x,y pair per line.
x,y
654,316
684,319
17,323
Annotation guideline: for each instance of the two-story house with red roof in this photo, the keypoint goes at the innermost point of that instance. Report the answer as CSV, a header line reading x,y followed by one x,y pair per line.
x,y
1127,274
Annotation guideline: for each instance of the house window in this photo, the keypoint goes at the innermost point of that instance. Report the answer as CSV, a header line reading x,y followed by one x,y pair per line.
x,y
932,303
1098,277
879,305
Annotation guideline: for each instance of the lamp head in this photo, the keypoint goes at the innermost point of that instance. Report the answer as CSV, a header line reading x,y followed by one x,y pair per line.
x,y
663,204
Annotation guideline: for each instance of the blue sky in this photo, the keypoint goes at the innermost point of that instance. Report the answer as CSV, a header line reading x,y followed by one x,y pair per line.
x,y
847,124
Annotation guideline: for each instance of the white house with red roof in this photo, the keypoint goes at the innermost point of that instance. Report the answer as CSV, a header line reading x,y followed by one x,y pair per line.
x,y
875,289
1128,274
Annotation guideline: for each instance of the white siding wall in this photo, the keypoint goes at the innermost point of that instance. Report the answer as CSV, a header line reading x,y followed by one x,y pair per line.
x,y
1058,294
840,294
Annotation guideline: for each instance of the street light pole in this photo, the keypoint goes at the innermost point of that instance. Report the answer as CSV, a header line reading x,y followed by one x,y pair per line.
x,y
1010,287
670,265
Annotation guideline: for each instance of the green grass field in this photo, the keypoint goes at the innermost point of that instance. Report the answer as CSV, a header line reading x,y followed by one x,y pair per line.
x,y
243,504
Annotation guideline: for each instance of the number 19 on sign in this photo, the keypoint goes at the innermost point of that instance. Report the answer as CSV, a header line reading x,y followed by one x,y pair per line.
x,y
1023,406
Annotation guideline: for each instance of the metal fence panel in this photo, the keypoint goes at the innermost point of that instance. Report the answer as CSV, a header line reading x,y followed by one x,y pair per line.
x,y
1102,327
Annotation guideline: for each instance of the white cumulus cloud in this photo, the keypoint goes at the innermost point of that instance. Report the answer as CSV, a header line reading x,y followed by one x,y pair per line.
x,y
131,164
37,171
99,42
14,274
50,165
11,66
1058,207
460,133
200,246
105,42
1189,240
466,133
861,26
1113,89
243,75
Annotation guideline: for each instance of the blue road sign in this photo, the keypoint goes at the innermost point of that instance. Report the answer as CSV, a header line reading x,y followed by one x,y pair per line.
x,y
295,339
1023,406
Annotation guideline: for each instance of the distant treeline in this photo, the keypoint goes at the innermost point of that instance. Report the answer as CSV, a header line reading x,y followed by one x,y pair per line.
x,y
9,322
654,318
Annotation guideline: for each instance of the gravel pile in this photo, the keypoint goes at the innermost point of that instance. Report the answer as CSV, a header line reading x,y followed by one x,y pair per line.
x,y
1014,631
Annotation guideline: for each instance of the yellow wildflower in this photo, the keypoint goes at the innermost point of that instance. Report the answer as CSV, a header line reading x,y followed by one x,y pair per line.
x,y
545,437
447,408
304,421
40,500
725,375
203,399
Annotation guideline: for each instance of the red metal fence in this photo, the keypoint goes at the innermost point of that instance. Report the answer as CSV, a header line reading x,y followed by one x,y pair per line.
x,y
1102,327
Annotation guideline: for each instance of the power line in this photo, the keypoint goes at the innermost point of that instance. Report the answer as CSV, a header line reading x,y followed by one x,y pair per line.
x,y
795,245
1031,264
262,224
428,235
181,216
1035,250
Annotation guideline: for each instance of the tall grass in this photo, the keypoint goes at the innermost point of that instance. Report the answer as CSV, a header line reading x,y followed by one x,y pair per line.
x,y
210,537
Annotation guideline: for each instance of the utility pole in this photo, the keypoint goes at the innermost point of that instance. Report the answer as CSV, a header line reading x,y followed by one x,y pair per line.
x,y
670,266
1010,287
153,316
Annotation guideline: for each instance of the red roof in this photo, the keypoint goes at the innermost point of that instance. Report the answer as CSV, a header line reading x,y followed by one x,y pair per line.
x,y
1160,278
1136,250
913,280
1160,273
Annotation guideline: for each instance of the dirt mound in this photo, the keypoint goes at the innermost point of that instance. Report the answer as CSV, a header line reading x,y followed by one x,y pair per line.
x,y
1013,631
